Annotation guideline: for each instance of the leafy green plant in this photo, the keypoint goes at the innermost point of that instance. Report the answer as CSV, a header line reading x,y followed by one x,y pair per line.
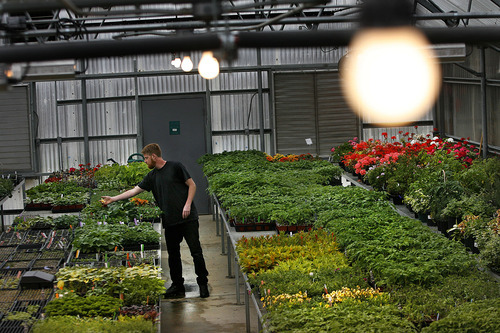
x,y
442,194
350,317
6,187
65,221
112,281
330,272
72,324
96,238
276,249
477,316
425,304
90,306
143,233
27,317
120,177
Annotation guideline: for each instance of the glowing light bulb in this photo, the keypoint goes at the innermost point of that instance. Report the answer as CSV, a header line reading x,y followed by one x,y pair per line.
x,y
390,75
208,66
176,62
187,64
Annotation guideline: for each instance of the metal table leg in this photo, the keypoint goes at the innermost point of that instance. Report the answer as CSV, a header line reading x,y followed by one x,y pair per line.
x,y
247,309
229,262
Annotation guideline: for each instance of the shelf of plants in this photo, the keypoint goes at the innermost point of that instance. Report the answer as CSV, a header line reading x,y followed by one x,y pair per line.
x,y
105,260
365,267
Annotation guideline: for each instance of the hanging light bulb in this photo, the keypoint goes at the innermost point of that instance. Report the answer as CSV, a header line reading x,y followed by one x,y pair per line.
x,y
176,62
208,66
390,74
187,64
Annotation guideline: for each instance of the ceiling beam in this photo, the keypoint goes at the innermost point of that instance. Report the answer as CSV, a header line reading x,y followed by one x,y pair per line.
x,y
211,41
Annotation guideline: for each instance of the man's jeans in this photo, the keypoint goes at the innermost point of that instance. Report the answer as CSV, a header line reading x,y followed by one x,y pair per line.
x,y
174,235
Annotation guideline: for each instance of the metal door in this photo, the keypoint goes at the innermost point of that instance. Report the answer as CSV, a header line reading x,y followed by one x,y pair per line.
x,y
177,124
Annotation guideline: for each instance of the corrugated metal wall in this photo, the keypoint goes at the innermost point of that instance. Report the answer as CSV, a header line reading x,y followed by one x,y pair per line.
x,y
311,106
461,102
15,150
112,110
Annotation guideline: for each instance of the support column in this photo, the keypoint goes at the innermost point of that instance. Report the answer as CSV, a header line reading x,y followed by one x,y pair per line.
x,y
484,111
261,101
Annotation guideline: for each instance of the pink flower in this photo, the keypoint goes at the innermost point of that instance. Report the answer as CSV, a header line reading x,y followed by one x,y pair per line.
x,y
332,150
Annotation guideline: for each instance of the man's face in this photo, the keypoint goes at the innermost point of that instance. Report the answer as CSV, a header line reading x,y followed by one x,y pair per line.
x,y
150,160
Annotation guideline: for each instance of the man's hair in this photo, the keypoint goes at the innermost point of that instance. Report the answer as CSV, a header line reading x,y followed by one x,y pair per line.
x,y
152,148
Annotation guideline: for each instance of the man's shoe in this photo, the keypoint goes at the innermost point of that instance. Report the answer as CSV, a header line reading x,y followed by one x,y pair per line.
x,y
175,291
204,291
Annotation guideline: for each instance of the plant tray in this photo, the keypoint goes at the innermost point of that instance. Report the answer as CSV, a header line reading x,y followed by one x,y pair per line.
x,y
30,246
11,326
10,279
17,265
40,206
131,263
293,228
8,296
12,238
53,254
5,307
137,247
52,271
240,227
27,295
151,219
6,251
23,306
67,209
24,254
59,239
83,257
42,264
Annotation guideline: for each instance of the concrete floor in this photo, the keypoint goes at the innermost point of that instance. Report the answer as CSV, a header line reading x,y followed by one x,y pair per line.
x,y
218,313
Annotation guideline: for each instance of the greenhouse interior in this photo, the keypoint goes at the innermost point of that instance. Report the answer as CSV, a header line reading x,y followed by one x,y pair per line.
x,y
314,166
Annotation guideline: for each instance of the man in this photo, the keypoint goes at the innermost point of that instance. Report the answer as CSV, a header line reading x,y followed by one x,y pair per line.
x,y
174,190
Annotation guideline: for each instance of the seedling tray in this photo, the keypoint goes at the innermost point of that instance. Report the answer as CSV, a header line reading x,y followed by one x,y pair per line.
x,y
53,254
24,254
11,326
12,238
10,279
27,295
39,206
17,265
6,251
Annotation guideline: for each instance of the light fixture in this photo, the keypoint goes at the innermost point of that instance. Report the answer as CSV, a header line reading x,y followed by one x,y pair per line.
x,y
208,66
390,75
187,64
176,62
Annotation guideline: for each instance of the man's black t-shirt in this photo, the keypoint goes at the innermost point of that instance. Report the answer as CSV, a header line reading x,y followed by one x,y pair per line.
x,y
169,188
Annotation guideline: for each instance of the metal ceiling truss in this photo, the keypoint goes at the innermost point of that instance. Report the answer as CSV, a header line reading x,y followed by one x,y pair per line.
x,y
78,23
38,21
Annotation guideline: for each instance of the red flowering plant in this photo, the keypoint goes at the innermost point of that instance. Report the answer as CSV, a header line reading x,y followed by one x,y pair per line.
x,y
83,175
339,151
379,161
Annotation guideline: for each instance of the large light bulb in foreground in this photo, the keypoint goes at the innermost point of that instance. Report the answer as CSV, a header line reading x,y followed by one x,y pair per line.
x,y
187,64
390,75
208,66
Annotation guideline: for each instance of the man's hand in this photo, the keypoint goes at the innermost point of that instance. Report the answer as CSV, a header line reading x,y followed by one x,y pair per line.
x,y
186,211
105,200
